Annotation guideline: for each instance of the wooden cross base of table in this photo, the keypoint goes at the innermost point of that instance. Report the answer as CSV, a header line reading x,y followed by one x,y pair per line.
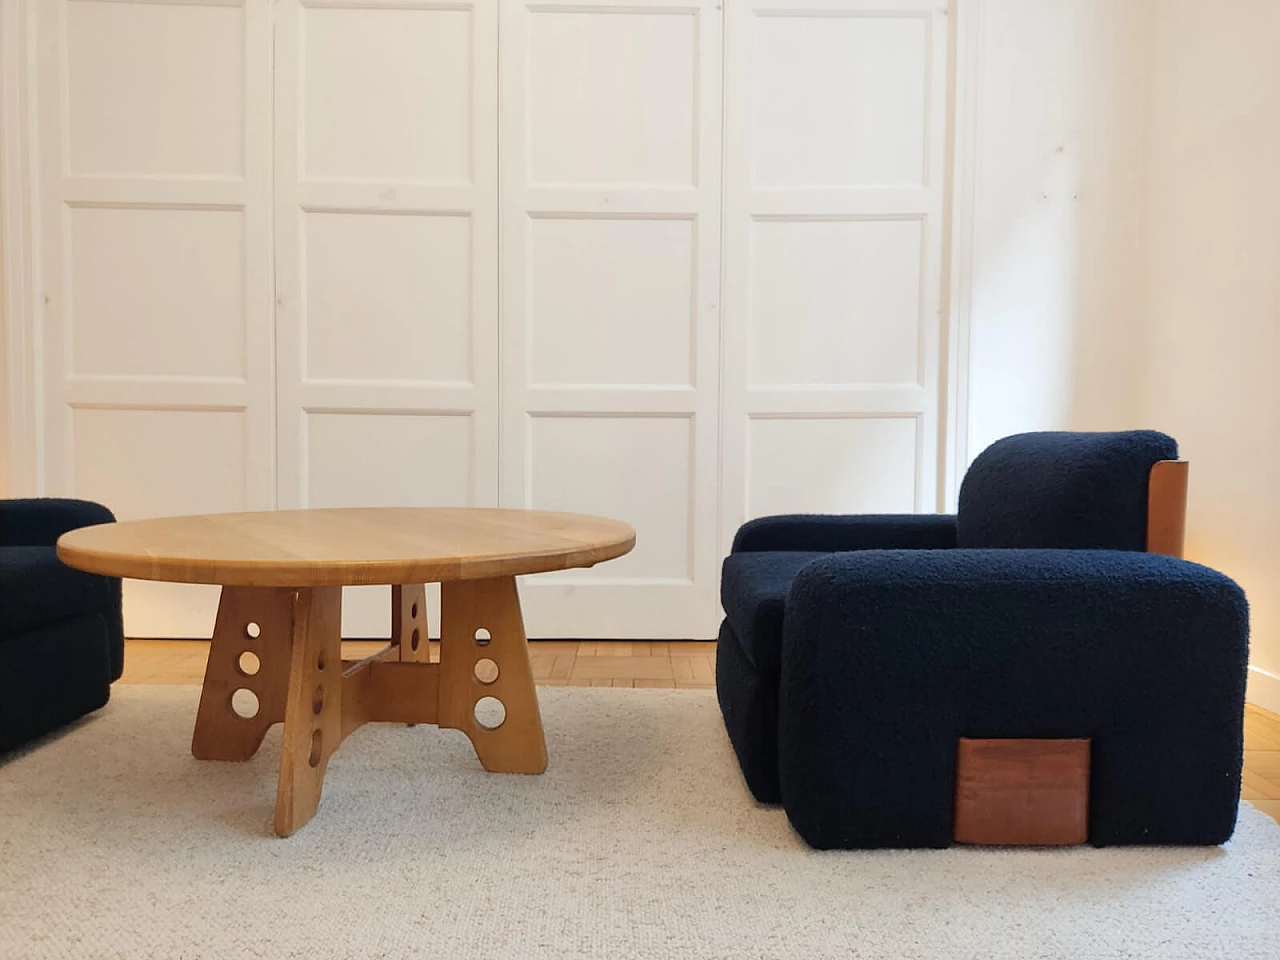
x,y
300,679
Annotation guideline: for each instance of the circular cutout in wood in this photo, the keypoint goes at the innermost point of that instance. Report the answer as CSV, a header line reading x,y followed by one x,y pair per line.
x,y
249,663
317,741
490,713
244,703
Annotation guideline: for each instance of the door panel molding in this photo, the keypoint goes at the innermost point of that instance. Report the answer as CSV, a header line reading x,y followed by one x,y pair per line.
x,y
136,409
835,205
386,159
610,280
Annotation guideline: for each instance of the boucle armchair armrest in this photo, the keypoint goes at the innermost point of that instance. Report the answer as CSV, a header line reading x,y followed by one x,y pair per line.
x,y
816,532
40,522
888,657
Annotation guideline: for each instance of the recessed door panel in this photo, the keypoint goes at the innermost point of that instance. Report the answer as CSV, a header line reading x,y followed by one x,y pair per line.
x,y
154,159
610,293
835,142
386,260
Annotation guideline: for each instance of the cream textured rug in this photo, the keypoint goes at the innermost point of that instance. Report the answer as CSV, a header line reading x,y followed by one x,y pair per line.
x,y
639,841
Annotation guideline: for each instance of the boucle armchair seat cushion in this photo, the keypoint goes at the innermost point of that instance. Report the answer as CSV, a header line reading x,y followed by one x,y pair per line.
x,y
753,591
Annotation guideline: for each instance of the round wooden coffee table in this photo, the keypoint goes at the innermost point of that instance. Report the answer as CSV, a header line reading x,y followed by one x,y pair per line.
x,y
282,575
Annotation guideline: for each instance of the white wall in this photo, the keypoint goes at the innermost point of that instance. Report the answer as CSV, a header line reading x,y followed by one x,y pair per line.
x,y
1213,336
6,30
5,444
1057,284
16,394
1126,252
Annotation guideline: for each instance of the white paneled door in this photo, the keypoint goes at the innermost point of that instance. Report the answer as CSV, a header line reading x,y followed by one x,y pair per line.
x,y
155,179
386,260
835,127
610,300
317,253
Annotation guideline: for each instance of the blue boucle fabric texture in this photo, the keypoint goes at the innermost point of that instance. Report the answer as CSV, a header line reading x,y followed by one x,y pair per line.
x,y
749,704
909,531
36,588
1080,491
61,631
890,656
753,591
855,651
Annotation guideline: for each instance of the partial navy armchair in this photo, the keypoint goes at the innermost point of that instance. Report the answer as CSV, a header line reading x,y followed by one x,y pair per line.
x,y
859,654
61,634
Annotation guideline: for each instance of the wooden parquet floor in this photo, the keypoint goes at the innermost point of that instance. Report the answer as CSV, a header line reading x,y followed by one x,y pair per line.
x,y
655,664
556,663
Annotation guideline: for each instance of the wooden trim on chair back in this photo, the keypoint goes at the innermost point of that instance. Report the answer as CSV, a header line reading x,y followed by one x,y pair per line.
x,y
1167,507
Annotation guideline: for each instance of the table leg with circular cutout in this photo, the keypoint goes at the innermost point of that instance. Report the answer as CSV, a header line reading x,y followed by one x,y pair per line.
x,y
313,714
409,622
246,680
486,680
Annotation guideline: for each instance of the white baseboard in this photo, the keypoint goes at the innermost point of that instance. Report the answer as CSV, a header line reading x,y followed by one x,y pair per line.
x,y
1264,689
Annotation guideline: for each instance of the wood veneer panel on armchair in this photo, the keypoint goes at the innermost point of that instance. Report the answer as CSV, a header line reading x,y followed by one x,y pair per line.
x,y
1167,507
1022,792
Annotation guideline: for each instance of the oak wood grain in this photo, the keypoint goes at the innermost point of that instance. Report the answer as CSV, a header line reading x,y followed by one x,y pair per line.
x,y
257,621
375,691
481,620
1167,507
390,545
313,715
409,622
1022,792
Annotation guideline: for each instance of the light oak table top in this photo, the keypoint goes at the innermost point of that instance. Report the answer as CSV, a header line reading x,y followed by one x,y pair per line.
x,y
367,545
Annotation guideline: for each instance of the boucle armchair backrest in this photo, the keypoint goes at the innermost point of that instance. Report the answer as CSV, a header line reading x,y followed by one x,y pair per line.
x,y
1060,490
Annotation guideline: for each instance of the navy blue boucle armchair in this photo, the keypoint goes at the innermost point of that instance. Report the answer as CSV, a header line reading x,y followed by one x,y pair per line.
x,y
61,634
857,651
